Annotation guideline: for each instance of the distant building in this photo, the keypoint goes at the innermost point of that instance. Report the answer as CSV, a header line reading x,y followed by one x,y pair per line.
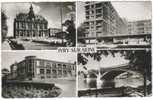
x,y
5,72
140,27
30,25
33,68
53,31
102,20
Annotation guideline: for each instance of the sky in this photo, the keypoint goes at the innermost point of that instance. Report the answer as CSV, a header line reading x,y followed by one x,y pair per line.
x,y
130,10
9,58
49,10
105,62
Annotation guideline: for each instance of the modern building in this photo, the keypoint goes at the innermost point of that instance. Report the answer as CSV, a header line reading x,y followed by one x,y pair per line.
x,y
139,27
33,68
30,25
53,31
102,20
103,26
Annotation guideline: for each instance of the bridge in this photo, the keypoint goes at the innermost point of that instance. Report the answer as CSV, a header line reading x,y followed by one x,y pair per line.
x,y
111,72
119,41
107,88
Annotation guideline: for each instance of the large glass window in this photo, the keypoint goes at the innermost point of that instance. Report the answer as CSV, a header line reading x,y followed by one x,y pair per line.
x,y
42,71
64,66
47,64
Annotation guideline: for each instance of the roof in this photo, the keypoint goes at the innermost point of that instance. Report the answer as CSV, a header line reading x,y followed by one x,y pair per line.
x,y
56,61
50,61
25,16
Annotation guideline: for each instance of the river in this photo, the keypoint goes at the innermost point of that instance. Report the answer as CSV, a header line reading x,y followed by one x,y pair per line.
x,y
133,81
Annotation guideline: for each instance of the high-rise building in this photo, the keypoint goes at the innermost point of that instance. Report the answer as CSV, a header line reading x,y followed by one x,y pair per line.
x,y
30,25
102,20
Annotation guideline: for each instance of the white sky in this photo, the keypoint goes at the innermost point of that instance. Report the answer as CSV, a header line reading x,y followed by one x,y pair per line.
x,y
9,58
131,10
105,62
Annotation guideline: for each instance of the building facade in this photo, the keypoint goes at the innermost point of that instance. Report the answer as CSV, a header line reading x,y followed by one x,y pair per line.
x,y
33,68
102,20
139,27
53,31
30,25
104,27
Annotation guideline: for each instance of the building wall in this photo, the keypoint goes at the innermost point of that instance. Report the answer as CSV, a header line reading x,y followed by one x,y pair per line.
x,y
30,29
139,27
35,68
53,31
102,20
30,25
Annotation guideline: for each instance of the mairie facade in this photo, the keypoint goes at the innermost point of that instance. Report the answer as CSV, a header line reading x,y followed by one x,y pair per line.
x,y
29,25
33,68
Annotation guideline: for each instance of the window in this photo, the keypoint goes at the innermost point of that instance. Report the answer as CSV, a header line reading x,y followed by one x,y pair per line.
x,y
64,66
42,77
35,26
54,65
73,67
41,26
23,25
48,76
45,26
30,25
38,63
48,71
92,6
87,7
59,66
42,71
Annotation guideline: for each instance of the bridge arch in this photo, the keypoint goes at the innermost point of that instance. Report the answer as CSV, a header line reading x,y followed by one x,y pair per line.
x,y
110,75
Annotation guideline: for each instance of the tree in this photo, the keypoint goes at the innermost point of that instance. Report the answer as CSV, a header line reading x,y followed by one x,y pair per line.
x,y
5,72
4,26
71,36
139,60
81,32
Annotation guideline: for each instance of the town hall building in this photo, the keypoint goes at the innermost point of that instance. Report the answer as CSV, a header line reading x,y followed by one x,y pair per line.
x,y
29,25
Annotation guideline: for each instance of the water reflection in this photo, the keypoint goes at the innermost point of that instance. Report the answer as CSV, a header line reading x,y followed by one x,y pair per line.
x,y
86,83
93,83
